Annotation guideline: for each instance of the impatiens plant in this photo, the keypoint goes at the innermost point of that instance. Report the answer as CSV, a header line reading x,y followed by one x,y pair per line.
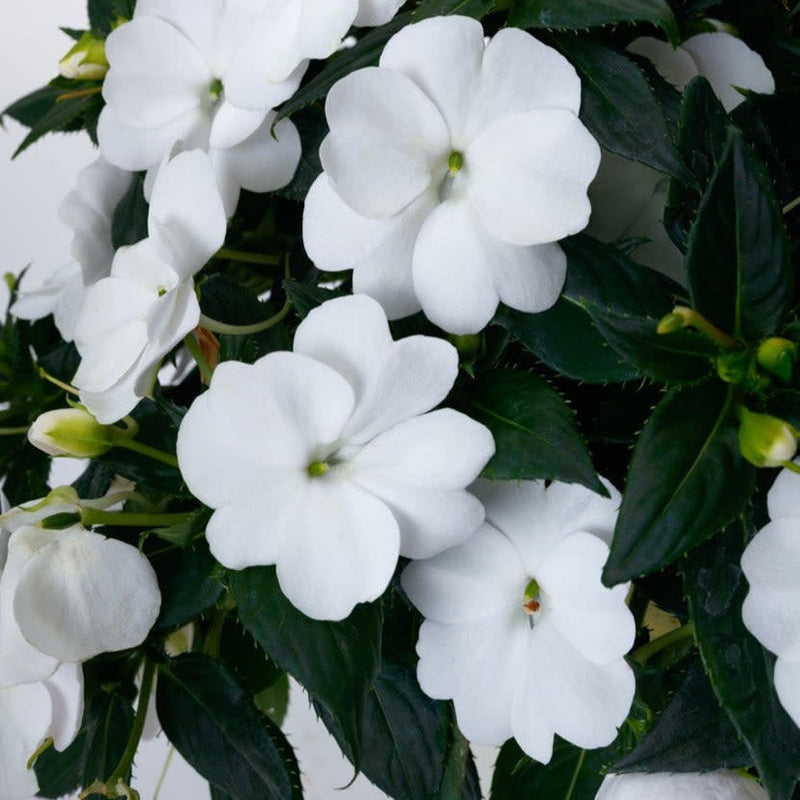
x,y
345,364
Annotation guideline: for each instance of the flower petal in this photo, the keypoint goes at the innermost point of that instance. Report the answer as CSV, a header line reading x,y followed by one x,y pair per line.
x,y
529,278
518,74
451,269
376,12
725,62
771,610
674,64
722,784
232,125
342,551
787,685
25,711
65,686
83,594
529,174
156,74
442,56
378,251
591,617
386,141
783,498
186,221
478,579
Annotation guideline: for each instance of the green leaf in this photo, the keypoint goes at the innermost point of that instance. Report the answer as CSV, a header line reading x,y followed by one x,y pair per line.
x,y
620,109
405,736
336,661
693,734
534,430
738,262
467,8
684,355
740,669
600,280
104,13
572,774
686,481
365,53
97,749
313,127
184,533
305,296
702,132
216,727
129,221
580,14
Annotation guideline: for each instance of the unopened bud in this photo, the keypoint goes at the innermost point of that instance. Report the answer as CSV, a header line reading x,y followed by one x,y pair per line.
x,y
72,432
764,440
86,60
777,356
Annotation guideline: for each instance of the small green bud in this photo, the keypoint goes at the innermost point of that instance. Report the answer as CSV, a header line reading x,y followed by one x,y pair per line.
x,y
86,60
734,367
764,440
71,432
468,345
777,356
670,323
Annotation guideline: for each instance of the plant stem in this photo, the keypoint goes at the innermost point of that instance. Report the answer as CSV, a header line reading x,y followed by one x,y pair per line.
x,y
61,385
644,653
79,93
794,203
685,317
132,519
125,764
193,346
791,466
244,330
119,439
163,774
248,258
14,431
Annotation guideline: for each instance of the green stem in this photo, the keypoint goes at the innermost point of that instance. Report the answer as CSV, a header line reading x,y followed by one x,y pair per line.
x,y
119,439
644,653
685,317
248,258
132,519
163,775
79,93
193,346
55,381
791,466
125,764
245,330
14,431
794,203
213,639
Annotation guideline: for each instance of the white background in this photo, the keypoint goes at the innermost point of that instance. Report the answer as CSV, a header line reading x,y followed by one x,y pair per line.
x,y
31,188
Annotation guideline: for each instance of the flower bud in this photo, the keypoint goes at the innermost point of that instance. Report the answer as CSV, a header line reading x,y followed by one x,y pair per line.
x,y
764,440
777,356
86,60
70,432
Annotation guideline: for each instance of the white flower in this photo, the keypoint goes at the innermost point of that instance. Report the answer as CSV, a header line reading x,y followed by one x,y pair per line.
x,y
32,712
376,12
323,461
88,210
71,432
771,610
67,596
719,785
174,70
450,171
519,631
132,319
628,199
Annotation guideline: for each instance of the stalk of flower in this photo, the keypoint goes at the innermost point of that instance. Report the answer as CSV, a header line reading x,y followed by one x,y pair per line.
x,y
328,462
450,172
519,611
132,319
172,76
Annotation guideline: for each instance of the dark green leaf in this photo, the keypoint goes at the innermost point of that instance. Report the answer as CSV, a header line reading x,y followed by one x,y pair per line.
x,y
600,279
684,355
738,264
305,296
404,734
184,533
106,725
216,727
702,132
129,222
572,774
365,53
336,661
534,431
467,8
686,481
187,586
740,669
693,734
620,109
580,14
28,110
312,127
26,471
104,13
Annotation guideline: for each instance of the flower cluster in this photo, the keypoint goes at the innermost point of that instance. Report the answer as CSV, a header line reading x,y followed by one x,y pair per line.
x,y
402,363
